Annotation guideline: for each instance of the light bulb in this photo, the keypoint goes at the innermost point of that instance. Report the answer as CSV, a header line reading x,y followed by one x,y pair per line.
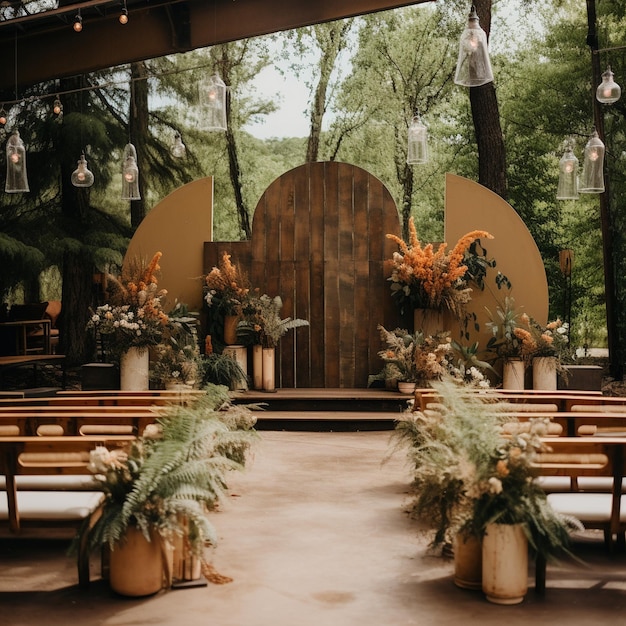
x,y
15,157
57,108
78,23
123,18
3,118
129,177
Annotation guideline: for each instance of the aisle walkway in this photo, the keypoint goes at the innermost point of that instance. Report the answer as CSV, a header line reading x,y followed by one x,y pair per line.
x,y
313,535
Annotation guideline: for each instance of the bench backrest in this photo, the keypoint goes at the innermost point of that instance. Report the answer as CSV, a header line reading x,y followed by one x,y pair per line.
x,y
47,456
587,456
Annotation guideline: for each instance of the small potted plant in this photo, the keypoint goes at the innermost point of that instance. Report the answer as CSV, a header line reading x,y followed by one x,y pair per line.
x,y
413,358
176,359
226,291
263,321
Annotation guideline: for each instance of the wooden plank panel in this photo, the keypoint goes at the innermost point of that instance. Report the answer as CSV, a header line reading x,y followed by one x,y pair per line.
x,y
302,273
346,274
331,274
317,301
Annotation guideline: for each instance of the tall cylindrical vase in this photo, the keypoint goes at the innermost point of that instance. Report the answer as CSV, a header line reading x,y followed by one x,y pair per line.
x,y
269,374
257,366
135,369
513,374
428,321
505,563
545,373
230,329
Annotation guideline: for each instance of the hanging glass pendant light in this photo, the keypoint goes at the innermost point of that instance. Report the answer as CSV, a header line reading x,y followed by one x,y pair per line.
x,y
417,150
178,149
593,166
473,66
17,180
213,101
608,90
568,176
3,116
82,176
130,174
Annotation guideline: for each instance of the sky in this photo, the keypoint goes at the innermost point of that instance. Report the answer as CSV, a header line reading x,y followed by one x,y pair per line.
x,y
291,120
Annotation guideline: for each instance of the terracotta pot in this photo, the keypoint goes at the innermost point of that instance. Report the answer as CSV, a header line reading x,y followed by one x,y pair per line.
x,y
505,563
468,561
137,565
407,388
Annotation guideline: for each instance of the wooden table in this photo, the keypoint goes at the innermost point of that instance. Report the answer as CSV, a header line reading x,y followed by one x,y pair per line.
x,y
21,335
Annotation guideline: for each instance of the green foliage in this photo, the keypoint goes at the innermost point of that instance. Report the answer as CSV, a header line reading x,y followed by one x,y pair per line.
x,y
169,482
468,474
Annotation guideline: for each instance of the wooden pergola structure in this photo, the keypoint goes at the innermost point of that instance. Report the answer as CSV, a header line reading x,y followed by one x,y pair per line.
x,y
36,47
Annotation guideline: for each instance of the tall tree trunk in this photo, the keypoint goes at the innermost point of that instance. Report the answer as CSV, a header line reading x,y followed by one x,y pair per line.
x,y
226,64
138,130
76,292
331,40
486,117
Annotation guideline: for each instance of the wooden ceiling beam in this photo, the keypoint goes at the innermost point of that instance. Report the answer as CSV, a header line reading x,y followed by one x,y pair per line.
x,y
49,49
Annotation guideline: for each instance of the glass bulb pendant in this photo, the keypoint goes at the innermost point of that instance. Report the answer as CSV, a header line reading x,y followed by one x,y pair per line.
x,y
213,101
82,176
568,176
17,180
417,151
178,149
593,166
473,66
130,174
608,90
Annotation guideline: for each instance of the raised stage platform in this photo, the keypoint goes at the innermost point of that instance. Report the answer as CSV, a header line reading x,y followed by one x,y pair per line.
x,y
326,409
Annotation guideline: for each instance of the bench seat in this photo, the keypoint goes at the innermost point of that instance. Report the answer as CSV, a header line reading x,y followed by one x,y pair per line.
x,y
66,482
592,508
48,507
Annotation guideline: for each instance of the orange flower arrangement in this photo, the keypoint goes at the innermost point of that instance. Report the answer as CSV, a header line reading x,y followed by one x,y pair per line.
x,y
135,317
226,287
424,278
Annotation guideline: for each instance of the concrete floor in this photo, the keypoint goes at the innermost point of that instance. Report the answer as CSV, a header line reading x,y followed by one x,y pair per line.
x,y
313,534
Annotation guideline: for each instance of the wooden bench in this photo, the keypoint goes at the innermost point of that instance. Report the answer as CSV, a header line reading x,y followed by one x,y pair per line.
x,y
586,457
25,506
81,422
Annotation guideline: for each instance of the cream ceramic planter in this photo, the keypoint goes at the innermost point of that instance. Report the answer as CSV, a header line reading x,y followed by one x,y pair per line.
x,y
505,563
135,370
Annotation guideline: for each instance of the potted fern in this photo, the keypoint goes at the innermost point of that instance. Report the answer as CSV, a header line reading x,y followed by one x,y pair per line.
x,y
162,487
470,479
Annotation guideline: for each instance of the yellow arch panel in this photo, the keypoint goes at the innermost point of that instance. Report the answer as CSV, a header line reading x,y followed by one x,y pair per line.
x,y
178,226
470,206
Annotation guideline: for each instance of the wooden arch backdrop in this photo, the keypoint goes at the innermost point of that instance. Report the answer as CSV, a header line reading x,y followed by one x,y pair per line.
x,y
319,241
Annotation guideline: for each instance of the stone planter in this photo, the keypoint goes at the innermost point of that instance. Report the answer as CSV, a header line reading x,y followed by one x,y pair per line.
x,y
545,373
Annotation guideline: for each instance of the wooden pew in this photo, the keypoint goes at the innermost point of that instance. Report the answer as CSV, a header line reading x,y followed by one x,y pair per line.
x,y
580,457
21,510
94,420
